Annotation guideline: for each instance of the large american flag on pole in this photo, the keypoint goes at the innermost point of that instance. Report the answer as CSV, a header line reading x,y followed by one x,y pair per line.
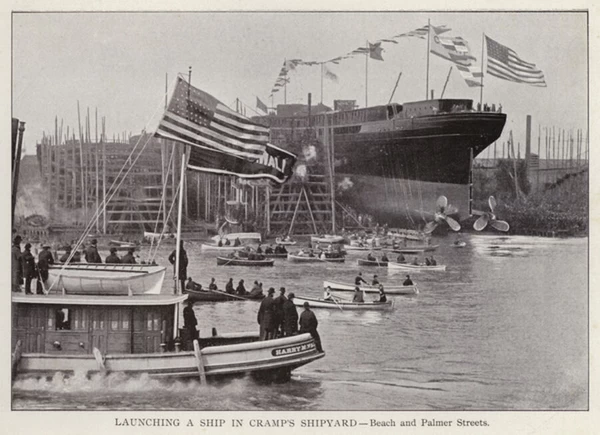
x,y
222,141
504,63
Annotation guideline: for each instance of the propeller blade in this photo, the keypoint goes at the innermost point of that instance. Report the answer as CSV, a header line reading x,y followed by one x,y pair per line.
x,y
453,224
492,202
442,202
481,223
500,225
451,209
429,227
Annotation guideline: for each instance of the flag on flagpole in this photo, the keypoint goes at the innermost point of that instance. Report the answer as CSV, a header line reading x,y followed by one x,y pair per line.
x,y
375,51
456,50
330,74
261,106
504,63
221,140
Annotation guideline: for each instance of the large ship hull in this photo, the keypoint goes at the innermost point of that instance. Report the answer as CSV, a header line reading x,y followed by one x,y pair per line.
x,y
394,161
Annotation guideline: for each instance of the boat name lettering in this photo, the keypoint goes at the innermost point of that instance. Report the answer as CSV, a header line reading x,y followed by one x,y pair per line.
x,y
293,349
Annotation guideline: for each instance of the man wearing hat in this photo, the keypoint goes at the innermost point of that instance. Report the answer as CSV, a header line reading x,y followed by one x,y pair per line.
x,y
183,264
190,322
359,279
129,258
113,258
309,323
266,316
279,301
91,253
375,281
17,266
290,316
28,267
407,281
45,260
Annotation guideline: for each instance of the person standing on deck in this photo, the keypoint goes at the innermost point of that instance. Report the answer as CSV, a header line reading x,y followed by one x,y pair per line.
x,y
28,262
91,253
190,322
279,301
17,265
183,264
45,260
309,323
229,286
265,316
129,257
290,317
113,258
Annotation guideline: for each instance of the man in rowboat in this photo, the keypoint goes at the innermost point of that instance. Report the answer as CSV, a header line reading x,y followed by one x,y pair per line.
x,y
371,257
279,301
129,257
309,323
358,295
382,297
375,281
327,296
113,258
213,285
384,258
229,286
91,253
359,279
407,281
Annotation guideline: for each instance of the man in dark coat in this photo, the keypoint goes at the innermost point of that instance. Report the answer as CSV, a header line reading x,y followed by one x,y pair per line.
x,y
129,257
190,322
290,316
29,271
241,290
17,265
229,286
45,260
266,316
213,285
279,301
67,254
359,279
408,281
91,253
309,323
113,258
183,263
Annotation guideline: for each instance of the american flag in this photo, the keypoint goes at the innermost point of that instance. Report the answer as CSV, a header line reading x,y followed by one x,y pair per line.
x,y
198,119
504,63
222,141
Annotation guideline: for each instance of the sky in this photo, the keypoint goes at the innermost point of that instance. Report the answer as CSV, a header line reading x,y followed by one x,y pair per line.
x,y
117,62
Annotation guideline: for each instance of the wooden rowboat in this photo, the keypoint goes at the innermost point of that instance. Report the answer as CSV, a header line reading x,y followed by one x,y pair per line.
x,y
327,238
415,249
379,263
281,241
219,296
342,304
211,247
285,255
361,248
225,261
106,279
416,268
389,289
315,259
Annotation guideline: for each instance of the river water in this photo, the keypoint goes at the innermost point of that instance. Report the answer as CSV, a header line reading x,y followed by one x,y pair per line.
x,y
504,328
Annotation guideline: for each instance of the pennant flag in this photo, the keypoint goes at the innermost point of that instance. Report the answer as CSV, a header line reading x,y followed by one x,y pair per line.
x,y
222,141
471,74
375,51
456,50
329,74
504,63
422,32
261,106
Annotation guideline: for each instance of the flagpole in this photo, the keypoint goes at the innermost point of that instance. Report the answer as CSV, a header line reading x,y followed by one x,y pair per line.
x,y
322,65
285,82
428,45
367,76
481,88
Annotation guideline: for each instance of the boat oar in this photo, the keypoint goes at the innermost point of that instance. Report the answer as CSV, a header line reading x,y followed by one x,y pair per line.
x,y
336,302
228,294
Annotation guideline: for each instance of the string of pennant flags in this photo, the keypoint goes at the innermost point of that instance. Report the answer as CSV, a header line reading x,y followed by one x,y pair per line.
x,y
503,62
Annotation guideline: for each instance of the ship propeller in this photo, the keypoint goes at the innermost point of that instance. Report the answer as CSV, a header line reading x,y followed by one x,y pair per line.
x,y
442,214
490,218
